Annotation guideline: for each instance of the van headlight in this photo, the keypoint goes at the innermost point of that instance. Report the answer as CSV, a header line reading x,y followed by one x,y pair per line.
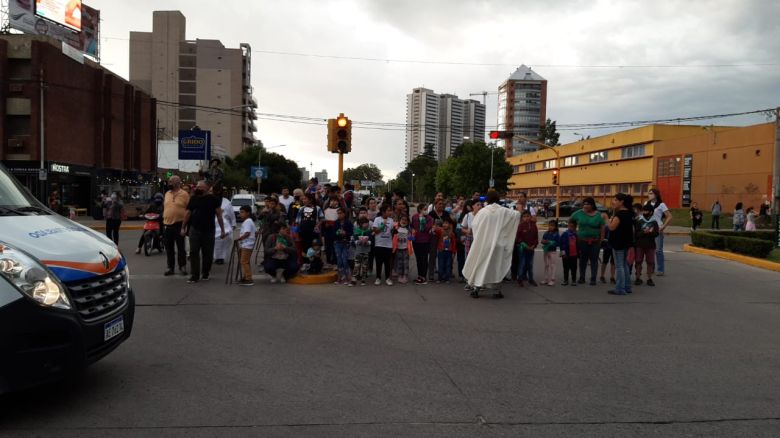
x,y
31,278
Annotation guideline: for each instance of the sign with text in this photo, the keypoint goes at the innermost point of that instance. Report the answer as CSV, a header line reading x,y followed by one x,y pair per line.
x,y
23,17
194,145
686,180
258,172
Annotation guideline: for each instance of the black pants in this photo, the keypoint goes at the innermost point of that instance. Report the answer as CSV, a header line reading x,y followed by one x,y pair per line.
x,y
307,237
383,256
371,254
570,266
290,267
589,252
433,257
716,222
112,229
201,245
461,258
515,265
421,251
174,242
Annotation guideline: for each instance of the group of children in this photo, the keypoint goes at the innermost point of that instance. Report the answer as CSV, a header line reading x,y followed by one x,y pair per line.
x,y
641,254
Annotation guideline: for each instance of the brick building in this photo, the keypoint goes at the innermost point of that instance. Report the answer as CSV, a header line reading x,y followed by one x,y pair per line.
x,y
98,130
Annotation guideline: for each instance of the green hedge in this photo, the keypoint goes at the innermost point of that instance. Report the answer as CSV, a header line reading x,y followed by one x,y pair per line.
x,y
752,243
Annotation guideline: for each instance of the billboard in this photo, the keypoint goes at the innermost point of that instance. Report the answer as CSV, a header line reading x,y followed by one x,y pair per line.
x,y
194,145
22,17
64,12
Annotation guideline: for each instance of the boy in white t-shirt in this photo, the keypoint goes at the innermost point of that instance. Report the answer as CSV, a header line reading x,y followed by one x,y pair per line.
x,y
247,243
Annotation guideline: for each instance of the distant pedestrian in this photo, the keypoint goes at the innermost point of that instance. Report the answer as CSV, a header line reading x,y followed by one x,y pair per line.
x,y
644,248
621,237
280,261
174,210
307,223
199,224
696,216
739,218
383,251
446,249
438,214
716,209
750,223
402,249
590,234
569,255
222,247
362,241
246,242
343,230
115,213
526,241
421,227
550,243
663,216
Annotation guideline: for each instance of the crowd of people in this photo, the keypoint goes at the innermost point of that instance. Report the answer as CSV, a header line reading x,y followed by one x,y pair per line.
x,y
385,240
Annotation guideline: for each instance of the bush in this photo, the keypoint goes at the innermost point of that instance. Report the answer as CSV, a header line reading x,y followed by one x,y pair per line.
x,y
751,247
751,243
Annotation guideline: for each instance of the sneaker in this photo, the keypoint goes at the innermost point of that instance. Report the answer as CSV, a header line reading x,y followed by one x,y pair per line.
x,y
602,279
168,273
246,283
273,280
614,292
551,283
362,283
533,283
660,274
205,277
573,283
418,280
282,280
612,280
581,281
138,250
192,280
638,282
219,261
377,282
337,282
474,294
565,283
350,284
650,282
389,282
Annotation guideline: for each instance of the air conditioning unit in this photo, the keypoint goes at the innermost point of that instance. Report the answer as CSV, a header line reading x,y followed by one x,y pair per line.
x,y
15,143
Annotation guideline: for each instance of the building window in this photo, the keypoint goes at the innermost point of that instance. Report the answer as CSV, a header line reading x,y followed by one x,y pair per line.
x,y
669,166
637,189
515,169
589,190
595,157
624,188
187,74
571,161
530,167
187,87
550,164
632,151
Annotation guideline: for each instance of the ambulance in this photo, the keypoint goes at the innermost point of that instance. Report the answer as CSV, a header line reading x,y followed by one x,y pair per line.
x,y
65,294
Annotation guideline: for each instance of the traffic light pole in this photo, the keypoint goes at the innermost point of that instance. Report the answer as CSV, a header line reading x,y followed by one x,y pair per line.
x,y
341,170
557,167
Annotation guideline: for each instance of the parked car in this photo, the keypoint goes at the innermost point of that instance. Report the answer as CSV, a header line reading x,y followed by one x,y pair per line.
x,y
242,199
569,207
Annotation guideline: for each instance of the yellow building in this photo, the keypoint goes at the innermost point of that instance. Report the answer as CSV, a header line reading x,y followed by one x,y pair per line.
x,y
687,163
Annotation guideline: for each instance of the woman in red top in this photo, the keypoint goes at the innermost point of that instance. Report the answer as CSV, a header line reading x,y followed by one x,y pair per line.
x,y
526,241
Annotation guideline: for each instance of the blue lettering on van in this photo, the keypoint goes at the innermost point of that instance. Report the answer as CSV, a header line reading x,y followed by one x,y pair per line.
x,y
49,231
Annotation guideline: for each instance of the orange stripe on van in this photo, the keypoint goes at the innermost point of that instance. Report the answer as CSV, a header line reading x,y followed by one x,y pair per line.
x,y
96,268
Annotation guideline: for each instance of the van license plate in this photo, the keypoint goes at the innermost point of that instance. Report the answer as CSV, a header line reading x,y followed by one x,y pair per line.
x,y
113,328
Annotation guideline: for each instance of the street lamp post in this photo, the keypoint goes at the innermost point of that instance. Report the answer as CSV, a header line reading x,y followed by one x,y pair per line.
x,y
412,187
557,167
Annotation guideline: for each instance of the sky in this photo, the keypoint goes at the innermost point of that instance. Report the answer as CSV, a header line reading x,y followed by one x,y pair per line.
x,y
605,61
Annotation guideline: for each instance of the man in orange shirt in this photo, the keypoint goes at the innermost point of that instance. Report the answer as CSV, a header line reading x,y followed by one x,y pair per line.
x,y
174,209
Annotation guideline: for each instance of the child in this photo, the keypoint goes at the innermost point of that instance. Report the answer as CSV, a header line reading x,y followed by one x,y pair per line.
x,y
362,240
446,249
751,216
527,239
280,261
343,237
314,255
383,244
550,242
646,232
402,248
569,255
246,244
329,233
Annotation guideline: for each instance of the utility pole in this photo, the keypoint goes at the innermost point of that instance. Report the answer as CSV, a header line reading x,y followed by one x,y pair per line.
x,y
42,177
776,178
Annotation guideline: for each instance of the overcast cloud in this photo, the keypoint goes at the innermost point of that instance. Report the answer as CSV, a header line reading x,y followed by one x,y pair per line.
x,y
543,35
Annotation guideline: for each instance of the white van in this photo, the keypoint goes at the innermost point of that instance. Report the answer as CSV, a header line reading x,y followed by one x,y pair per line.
x,y
65,295
241,199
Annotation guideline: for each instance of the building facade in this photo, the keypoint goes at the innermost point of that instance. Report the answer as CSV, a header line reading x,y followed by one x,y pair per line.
x,y
198,82
522,109
687,164
91,129
441,123
322,177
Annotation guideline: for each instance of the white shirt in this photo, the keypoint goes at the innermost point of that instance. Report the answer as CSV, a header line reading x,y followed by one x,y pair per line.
x,y
228,219
385,238
467,220
658,214
248,226
287,202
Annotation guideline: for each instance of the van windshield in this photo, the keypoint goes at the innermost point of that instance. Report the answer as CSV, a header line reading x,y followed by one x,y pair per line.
x,y
14,199
240,202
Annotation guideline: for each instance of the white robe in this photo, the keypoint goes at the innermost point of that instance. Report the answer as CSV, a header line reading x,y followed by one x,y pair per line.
x,y
494,230
222,247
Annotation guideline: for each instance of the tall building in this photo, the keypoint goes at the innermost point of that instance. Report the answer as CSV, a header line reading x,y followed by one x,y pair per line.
x,y
522,108
304,174
202,73
440,122
322,177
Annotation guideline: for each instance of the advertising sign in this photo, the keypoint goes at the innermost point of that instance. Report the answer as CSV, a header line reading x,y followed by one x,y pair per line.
x,y
194,145
258,172
686,180
64,12
23,17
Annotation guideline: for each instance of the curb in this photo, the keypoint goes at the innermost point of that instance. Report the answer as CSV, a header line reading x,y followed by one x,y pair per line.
x,y
326,278
745,260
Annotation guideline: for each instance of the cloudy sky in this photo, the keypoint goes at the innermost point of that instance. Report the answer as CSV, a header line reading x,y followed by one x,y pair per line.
x,y
680,58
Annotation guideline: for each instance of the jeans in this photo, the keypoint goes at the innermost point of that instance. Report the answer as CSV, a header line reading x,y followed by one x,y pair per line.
x,y
525,270
342,258
659,253
112,229
445,265
201,245
715,222
623,280
174,242
589,252
421,251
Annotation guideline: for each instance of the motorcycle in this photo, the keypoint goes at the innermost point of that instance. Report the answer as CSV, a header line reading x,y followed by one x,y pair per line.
x,y
152,234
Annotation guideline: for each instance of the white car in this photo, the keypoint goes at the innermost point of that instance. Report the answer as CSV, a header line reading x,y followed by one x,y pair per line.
x,y
241,200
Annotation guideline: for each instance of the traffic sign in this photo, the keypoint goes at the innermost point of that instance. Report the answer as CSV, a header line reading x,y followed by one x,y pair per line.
x,y
260,172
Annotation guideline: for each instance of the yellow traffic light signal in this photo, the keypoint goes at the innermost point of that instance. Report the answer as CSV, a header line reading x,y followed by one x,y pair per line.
x,y
340,135
555,177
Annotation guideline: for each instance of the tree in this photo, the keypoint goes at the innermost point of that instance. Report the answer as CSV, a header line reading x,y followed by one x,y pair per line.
x,y
364,172
548,133
281,171
424,169
470,171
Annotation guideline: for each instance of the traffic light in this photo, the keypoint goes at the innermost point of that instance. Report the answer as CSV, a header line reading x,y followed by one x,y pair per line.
x,y
340,135
496,135
555,177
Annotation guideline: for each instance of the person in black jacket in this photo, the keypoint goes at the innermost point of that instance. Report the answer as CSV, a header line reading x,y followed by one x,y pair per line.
x,y
621,238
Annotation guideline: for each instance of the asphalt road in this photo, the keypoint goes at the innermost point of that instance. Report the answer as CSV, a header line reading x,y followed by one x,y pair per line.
x,y
697,355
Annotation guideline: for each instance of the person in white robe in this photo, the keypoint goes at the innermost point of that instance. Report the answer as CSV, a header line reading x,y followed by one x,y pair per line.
x,y
494,229
222,247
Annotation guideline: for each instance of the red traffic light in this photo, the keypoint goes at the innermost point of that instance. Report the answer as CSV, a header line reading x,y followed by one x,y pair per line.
x,y
494,135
